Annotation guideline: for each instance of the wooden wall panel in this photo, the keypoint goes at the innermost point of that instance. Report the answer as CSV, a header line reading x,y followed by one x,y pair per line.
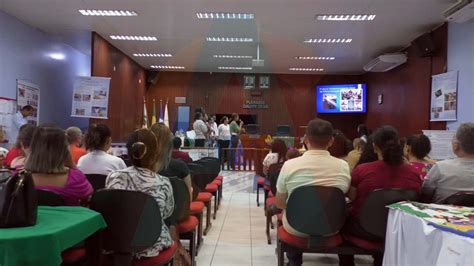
x,y
127,88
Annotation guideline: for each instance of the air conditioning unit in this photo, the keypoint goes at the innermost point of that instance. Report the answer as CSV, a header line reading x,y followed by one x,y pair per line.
x,y
460,12
385,62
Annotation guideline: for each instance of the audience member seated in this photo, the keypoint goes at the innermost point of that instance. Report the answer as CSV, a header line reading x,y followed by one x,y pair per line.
x,y
451,176
51,165
176,153
389,171
341,145
74,136
97,161
142,176
315,167
23,141
368,154
354,156
416,151
277,154
363,132
166,165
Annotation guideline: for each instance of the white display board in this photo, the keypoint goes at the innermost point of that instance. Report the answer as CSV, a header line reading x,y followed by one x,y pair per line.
x,y
444,96
7,110
90,97
28,94
441,144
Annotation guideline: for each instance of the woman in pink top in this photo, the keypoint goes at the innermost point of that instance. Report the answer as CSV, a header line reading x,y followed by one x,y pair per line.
x,y
52,167
416,151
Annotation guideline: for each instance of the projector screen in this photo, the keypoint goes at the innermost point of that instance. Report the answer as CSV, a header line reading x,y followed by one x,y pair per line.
x,y
345,98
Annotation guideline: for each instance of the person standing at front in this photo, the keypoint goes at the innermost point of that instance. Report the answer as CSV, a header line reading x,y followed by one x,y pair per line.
x,y
201,129
18,120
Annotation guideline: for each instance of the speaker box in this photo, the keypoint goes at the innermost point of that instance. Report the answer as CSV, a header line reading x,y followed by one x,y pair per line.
x,y
151,77
424,45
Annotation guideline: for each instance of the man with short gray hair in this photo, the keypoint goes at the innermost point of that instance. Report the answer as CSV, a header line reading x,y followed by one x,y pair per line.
x,y
448,177
74,136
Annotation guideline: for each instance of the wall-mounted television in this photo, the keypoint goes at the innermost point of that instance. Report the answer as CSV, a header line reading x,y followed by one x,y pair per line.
x,y
342,98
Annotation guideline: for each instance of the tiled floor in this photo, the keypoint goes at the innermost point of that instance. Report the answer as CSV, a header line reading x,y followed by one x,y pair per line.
x,y
237,236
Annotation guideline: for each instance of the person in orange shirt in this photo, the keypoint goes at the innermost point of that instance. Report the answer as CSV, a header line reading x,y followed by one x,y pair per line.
x,y
74,136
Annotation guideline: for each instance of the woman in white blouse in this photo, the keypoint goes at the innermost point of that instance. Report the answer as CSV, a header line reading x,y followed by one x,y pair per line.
x,y
223,137
276,155
97,161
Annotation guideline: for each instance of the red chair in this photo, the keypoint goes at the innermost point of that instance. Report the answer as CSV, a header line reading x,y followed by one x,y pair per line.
x,y
199,185
197,209
133,224
270,210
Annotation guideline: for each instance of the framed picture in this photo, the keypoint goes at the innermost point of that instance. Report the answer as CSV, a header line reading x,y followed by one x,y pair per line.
x,y
249,82
264,82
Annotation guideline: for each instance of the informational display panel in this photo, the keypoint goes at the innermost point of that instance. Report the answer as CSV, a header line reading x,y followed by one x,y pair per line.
x,y
444,96
90,97
7,110
28,94
441,144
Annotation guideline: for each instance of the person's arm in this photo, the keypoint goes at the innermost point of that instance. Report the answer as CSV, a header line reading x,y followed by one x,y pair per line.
x,y
189,184
431,182
355,180
282,190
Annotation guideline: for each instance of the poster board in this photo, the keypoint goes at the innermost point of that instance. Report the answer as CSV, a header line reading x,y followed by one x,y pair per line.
x,y
28,94
249,82
90,97
444,97
441,144
7,110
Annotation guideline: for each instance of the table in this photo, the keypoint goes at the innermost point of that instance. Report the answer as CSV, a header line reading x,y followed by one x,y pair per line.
x,y
198,153
426,234
56,229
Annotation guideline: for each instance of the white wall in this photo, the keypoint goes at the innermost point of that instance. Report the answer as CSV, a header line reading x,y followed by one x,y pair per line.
x,y
461,58
24,55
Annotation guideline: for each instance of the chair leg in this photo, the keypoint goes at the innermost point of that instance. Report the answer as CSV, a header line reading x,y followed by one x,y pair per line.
x,y
208,217
265,197
200,239
258,195
280,253
192,248
267,229
215,204
219,193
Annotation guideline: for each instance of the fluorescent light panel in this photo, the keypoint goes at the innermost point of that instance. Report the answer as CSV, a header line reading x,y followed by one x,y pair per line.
x,y
232,56
346,17
305,69
228,39
315,57
225,15
167,67
133,38
323,40
108,13
234,68
153,55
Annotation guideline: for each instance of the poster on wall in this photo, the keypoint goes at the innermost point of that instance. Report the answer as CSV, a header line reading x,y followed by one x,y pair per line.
x,y
28,94
7,110
441,144
444,96
249,82
264,82
90,97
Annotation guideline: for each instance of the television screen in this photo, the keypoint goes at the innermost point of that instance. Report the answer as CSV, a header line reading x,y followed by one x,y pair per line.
x,y
345,98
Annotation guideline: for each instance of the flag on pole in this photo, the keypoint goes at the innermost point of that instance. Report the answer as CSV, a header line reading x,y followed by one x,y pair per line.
x,y
153,118
145,116
166,118
161,111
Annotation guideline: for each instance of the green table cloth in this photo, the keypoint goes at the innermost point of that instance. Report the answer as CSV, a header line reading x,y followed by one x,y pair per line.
x,y
56,229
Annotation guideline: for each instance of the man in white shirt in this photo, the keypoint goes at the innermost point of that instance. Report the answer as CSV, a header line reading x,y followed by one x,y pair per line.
x,y
315,168
18,120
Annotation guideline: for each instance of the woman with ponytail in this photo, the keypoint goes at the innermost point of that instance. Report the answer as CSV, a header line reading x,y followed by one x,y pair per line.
x,y
142,176
416,151
389,171
97,161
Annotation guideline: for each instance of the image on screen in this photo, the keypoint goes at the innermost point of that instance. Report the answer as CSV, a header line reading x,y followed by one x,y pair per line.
x,y
345,98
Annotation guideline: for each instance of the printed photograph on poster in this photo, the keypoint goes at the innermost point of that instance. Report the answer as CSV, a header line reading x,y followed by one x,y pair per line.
x,y
90,97
444,97
249,82
264,82
29,94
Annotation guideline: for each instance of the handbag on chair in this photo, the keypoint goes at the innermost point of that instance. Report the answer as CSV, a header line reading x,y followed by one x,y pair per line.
x,y
18,201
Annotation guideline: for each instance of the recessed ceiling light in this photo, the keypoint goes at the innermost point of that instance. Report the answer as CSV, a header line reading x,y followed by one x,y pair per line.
x,y
225,15
315,57
232,56
305,69
346,17
108,13
133,38
57,56
228,39
234,68
153,55
168,67
334,40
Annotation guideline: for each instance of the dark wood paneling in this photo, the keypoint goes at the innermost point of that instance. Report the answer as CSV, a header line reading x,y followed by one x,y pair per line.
x,y
127,88
406,90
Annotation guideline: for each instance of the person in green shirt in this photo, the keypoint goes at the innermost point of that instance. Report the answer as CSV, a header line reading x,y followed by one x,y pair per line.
x,y
235,129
